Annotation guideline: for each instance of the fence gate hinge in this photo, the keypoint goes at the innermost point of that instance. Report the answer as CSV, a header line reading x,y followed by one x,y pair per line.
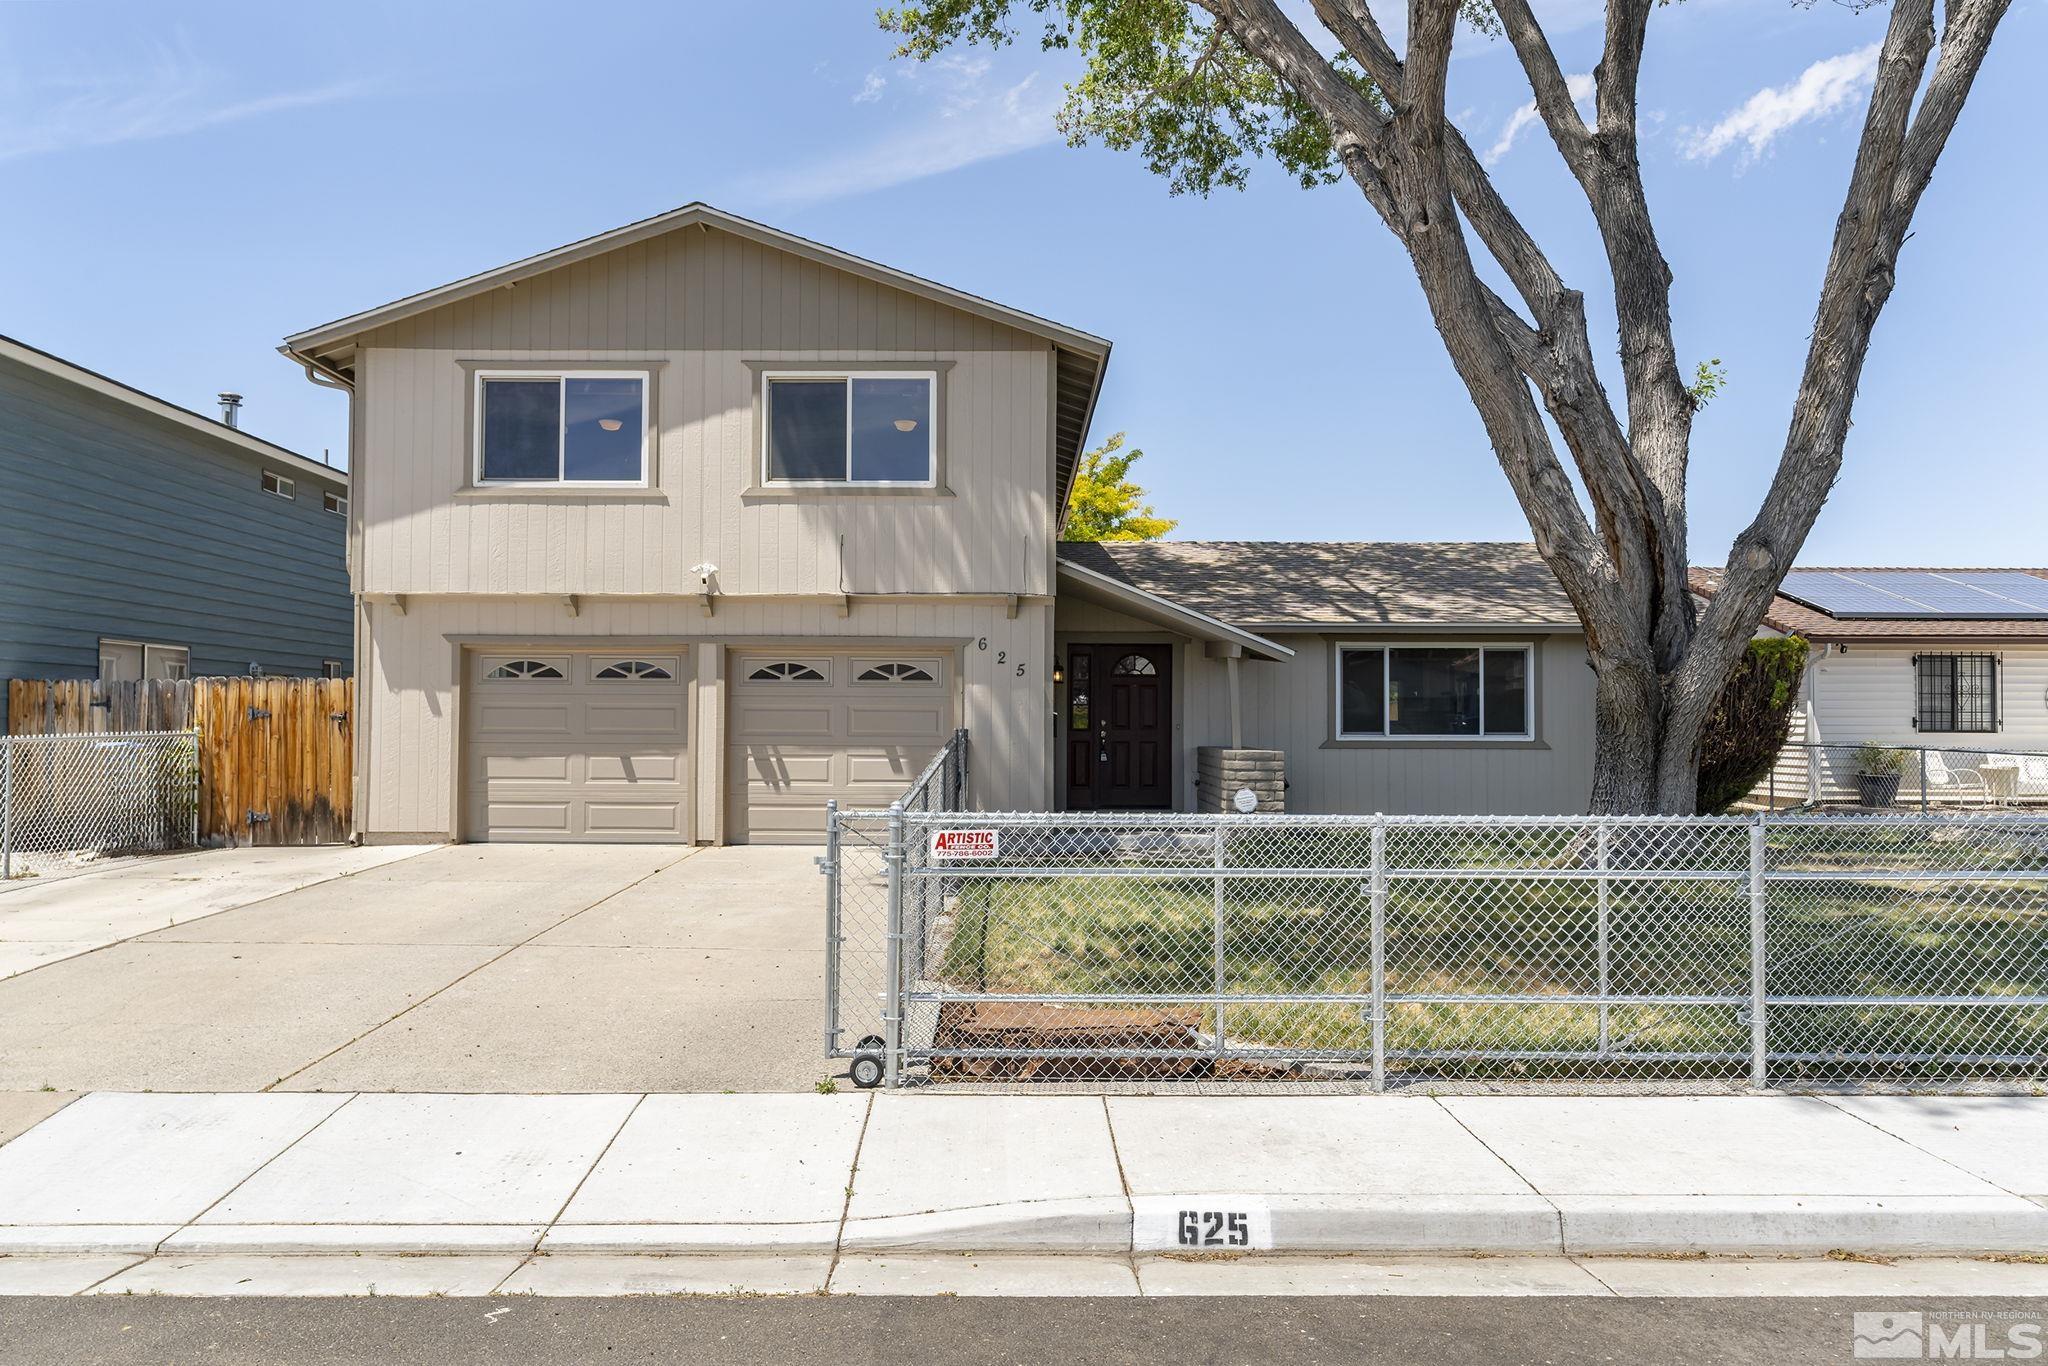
x,y
259,818
258,714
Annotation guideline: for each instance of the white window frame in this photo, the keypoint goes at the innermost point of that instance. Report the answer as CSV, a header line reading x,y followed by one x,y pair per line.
x,y
176,659
1527,735
336,503
279,485
331,668
931,427
561,378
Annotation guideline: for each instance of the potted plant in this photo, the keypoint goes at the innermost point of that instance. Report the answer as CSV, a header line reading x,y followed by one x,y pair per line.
x,y
1878,770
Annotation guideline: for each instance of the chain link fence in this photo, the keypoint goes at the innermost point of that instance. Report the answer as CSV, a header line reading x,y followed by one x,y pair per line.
x,y
65,799
1141,949
1873,776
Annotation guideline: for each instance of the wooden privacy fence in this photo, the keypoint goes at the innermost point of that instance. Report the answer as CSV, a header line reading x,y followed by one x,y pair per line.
x,y
276,755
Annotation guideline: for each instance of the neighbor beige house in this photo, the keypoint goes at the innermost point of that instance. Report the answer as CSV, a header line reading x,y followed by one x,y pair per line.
x,y
678,532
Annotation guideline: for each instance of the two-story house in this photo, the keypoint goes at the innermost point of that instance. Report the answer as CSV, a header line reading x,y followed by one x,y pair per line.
x,y
679,531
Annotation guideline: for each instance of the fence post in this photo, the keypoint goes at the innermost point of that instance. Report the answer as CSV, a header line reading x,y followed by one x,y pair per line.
x,y
6,808
1216,930
1758,961
1379,953
892,1008
1600,840
829,866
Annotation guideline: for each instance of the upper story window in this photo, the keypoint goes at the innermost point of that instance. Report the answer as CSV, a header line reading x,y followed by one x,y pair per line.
x,y
850,428
1433,692
1955,693
583,427
280,485
335,503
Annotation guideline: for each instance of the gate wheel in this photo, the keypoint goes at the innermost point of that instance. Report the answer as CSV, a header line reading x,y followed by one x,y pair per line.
x,y
866,1071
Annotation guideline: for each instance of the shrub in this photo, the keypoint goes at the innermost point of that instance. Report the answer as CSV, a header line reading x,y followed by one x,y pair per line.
x,y
1750,720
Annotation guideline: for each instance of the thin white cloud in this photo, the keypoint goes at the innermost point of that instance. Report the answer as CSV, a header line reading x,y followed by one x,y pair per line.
x,y
172,93
1823,89
871,88
972,122
1581,88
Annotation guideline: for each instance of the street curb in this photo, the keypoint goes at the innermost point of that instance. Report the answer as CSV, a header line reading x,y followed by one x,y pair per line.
x,y
1282,1225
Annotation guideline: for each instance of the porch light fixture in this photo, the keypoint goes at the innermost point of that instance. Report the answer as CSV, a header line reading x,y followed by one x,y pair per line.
x,y
1059,675
906,424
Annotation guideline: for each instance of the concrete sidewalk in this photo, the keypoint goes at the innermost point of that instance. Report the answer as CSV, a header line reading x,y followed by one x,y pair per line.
x,y
856,1175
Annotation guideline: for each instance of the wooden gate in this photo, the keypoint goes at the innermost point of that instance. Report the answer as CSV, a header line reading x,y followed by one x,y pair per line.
x,y
276,755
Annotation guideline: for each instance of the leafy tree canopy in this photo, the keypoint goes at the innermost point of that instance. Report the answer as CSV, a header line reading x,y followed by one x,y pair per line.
x,y
1106,504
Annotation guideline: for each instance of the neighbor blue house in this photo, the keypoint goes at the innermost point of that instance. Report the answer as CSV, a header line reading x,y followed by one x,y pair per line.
x,y
139,539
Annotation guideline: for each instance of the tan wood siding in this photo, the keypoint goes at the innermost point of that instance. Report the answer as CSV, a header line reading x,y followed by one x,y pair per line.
x,y
702,303
1286,706
413,657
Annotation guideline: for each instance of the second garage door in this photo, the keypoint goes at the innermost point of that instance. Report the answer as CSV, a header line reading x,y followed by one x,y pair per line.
x,y
582,747
807,727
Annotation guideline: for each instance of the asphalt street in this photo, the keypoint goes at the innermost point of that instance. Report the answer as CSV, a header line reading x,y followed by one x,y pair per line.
x,y
905,1332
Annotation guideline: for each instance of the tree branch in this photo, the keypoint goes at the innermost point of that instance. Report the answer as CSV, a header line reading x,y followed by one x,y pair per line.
x,y
1546,80
1894,161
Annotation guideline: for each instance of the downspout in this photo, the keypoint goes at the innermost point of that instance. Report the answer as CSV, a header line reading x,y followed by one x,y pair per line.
x,y
327,377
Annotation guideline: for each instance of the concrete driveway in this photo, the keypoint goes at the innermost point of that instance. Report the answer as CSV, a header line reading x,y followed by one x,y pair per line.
x,y
459,968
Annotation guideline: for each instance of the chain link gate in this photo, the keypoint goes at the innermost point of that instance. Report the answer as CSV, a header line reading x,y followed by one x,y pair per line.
x,y
1366,952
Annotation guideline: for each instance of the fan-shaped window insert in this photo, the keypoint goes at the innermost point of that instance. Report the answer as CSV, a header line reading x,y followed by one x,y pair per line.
x,y
895,673
786,671
632,670
524,669
1134,666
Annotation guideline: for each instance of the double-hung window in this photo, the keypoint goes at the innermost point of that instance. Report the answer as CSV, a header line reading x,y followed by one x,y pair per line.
x,y
1433,692
583,427
1955,693
850,428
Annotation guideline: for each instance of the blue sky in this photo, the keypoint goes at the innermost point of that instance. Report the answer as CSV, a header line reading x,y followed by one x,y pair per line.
x,y
184,185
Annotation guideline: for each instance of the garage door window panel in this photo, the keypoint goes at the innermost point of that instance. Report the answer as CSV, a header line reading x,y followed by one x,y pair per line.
x,y
525,670
634,670
898,671
788,671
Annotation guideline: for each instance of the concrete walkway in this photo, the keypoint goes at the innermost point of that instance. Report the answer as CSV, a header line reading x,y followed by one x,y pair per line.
x,y
479,968
839,1176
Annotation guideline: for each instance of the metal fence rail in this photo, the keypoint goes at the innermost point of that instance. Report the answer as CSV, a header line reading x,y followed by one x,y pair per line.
x,y
65,798
1781,951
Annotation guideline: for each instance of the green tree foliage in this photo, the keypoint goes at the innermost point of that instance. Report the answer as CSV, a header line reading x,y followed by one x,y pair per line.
x,y
1748,725
1106,505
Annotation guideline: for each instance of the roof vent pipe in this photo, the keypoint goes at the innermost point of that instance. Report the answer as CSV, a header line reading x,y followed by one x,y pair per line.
x,y
231,409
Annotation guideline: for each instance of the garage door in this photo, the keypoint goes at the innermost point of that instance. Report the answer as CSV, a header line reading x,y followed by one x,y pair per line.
x,y
586,746
807,727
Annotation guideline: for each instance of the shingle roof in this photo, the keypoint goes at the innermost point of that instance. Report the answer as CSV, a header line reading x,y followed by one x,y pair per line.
x,y
1799,619
1340,583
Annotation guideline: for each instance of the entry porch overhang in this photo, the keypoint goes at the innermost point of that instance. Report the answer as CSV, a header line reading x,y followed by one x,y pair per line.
x,y
1226,640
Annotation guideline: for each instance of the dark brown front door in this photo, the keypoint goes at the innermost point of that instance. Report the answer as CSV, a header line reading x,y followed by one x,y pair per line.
x,y
1119,727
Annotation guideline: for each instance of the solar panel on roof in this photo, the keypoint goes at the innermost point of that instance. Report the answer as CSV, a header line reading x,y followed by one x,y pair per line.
x,y
1964,595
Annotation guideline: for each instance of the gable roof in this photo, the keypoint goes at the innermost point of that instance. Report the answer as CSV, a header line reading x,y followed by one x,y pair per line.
x,y
1268,585
59,368
1080,360
1798,619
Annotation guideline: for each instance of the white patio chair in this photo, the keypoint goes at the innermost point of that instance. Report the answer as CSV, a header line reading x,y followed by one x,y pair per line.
x,y
2034,775
1949,784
